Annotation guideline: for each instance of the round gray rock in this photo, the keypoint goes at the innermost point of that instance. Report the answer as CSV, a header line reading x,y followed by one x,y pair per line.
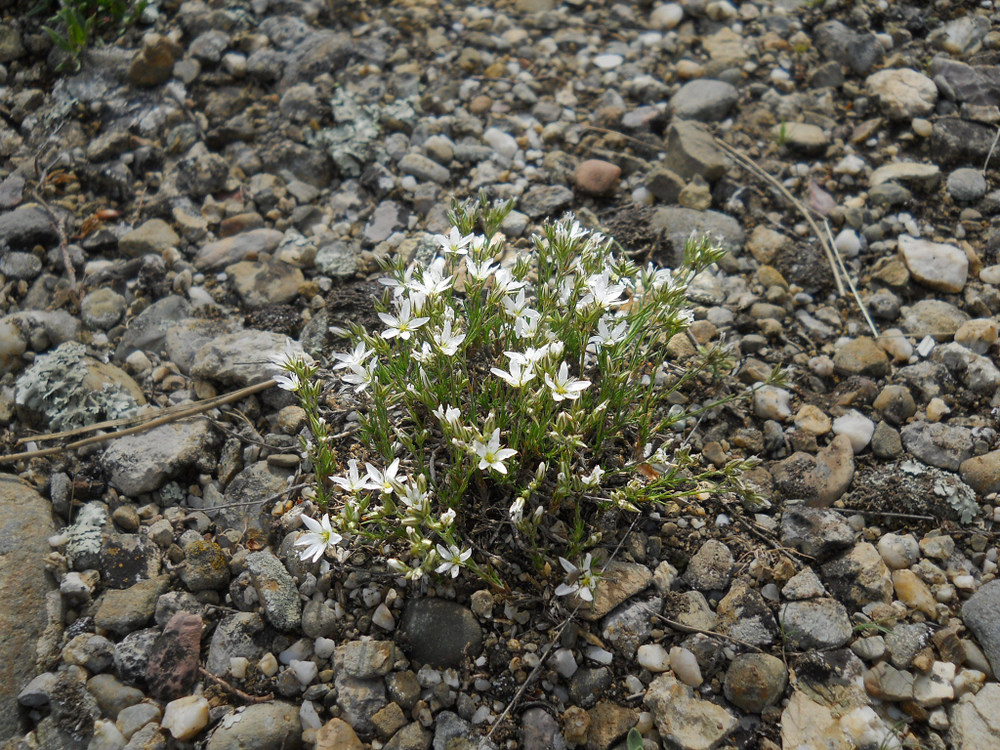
x,y
966,184
439,633
263,726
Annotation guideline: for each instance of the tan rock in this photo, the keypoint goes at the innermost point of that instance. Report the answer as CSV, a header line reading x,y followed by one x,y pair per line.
x,y
913,592
813,420
337,734
982,473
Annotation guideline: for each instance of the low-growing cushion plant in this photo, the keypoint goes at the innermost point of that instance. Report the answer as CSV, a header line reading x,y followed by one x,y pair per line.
x,y
510,400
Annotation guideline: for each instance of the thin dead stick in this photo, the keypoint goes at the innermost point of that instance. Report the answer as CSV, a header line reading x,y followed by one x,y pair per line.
x,y
989,154
689,629
887,514
745,162
235,690
63,241
180,410
850,282
192,411
268,499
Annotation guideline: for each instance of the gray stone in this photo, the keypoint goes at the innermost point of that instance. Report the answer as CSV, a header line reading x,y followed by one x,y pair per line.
x,y
545,201
388,217
102,308
961,142
124,610
706,100
111,695
962,36
980,616
224,252
205,566
628,627
337,259
132,655
439,633
143,462
587,684
276,590
186,337
905,642
680,223
743,615
147,331
20,266
239,634
25,525
858,577
935,264
938,444
691,150
263,726
711,567
423,168
966,185
244,498
241,358
815,623
933,317
860,52
916,175
27,226
318,620
365,660
969,84
691,609
449,726
819,480
263,283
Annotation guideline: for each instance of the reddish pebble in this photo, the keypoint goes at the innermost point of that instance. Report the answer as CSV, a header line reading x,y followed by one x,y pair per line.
x,y
597,177
173,660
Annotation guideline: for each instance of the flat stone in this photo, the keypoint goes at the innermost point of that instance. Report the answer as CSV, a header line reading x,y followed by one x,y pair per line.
x,y
216,255
802,137
815,623
816,532
710,568
25,525
691,150
707,100
915,175
276,590
933,317
975,722
970,84
439,633
902,93
143,462
861,356
621,581
609,723
681,223
265,283
263,726
240,634
980,615
173,661
153,236
684,719
818,480
124,610
938,444
934,264
806,723
859,51
241,358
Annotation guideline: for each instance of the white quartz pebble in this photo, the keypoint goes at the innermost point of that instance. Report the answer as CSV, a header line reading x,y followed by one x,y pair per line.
x,y
685,666
186,716
654,657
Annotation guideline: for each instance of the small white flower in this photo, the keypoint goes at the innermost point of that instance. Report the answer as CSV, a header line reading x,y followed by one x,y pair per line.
x,y
401,325
448,414
607,336
452,559
353,481
361,376
514,306
526,326
593,479
454,242
412,496
480,271
399,285
447,341
580,581
563,386
516,510
432,282
505,281
287,358
491,455
448,517
519,371
288,381
601,292
318,540
350,359
385,481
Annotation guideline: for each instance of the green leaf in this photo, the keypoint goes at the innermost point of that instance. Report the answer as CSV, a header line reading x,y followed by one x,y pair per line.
x,y
634,739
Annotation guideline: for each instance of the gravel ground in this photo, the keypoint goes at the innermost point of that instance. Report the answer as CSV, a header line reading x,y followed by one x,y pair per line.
x,y
227,175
